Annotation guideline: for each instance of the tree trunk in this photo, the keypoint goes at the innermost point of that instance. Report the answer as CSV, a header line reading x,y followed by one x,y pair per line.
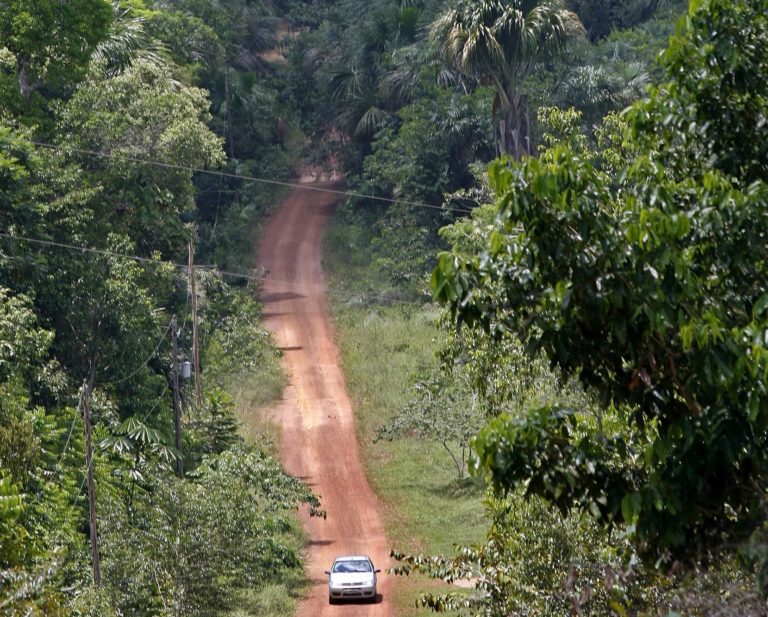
x,y
228,103
532,149
26,87
503,137
514,129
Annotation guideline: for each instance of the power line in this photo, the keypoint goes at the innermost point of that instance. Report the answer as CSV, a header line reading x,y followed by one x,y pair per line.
x,y
80,490
144,417
66,443
157,403
184,267
225,174
84,249
143,364
154,261
106,253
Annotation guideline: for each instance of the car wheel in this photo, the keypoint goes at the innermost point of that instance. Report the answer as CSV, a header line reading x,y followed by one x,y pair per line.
x,y
331,600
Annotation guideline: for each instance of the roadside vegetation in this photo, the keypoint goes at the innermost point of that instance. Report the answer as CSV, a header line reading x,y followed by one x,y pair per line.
x,y
110,114
579,328
428,505
551,308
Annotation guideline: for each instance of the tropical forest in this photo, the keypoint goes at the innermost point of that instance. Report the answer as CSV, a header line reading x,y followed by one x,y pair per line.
x,y
476,290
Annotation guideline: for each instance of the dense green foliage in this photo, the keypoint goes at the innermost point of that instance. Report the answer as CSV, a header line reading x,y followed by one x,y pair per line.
x,y
579,448
52,43
500,43
611,302
195,547
637,268
106,114
600,17
388,70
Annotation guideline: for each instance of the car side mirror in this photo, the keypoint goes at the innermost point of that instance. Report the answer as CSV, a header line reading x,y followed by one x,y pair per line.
x,y
328,572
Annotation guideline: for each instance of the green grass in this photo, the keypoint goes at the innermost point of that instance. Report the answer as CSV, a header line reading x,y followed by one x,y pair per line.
x,y
384,348
253,392
276,600
428,507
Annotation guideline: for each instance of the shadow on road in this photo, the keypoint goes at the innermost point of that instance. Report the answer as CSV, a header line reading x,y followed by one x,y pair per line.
x,y
280,295
321,542
360,601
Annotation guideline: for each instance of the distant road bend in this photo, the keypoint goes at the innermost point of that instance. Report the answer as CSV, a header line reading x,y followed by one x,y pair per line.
x,y
319,443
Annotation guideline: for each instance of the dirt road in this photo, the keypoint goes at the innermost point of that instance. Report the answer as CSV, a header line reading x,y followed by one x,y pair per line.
x,y
319,442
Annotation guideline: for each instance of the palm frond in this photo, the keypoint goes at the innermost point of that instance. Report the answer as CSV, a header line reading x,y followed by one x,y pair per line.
x,y
503,36
346,82
260,30
370,122
399,84
127,43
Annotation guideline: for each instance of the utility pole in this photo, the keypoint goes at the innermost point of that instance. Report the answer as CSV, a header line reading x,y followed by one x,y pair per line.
x,y
195,334
91,488
176,398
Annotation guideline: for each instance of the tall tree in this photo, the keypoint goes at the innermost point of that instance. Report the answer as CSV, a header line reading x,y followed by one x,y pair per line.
x,y
52,41
649,287
600,17
500,42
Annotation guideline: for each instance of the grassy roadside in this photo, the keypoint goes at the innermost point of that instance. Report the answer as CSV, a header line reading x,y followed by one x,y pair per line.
x,y
384,348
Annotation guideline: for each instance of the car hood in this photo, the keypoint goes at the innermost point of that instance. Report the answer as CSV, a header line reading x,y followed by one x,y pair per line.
x,y
339,578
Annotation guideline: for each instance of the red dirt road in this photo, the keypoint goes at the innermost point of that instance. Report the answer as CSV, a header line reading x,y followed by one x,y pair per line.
x,y
319,443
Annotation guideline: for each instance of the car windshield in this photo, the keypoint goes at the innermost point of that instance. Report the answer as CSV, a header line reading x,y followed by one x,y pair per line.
x,y
356,565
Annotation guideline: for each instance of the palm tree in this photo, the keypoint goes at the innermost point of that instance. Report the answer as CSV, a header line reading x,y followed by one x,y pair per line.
x,y
350,65
597,89
499,42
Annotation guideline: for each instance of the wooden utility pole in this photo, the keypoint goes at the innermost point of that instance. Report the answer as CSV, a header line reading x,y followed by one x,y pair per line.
x,y
195,334
91,488
176,397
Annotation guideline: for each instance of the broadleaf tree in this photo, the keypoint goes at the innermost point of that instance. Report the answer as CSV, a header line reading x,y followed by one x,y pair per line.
x,y
51,41
648,286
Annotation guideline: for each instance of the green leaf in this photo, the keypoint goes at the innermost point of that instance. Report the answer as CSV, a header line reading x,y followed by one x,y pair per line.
x,y
631,505
759,307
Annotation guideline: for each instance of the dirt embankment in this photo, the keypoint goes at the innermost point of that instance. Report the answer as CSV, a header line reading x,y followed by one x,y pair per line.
x,y
319,442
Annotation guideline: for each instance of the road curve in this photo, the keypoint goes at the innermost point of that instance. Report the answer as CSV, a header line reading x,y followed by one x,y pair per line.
x,y
318,443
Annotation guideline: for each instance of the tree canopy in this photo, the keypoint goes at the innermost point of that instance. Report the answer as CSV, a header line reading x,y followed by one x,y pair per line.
x,y
52,42
106,114
646,281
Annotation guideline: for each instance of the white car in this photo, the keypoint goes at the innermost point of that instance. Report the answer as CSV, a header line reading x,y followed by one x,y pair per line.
x,y
350,577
